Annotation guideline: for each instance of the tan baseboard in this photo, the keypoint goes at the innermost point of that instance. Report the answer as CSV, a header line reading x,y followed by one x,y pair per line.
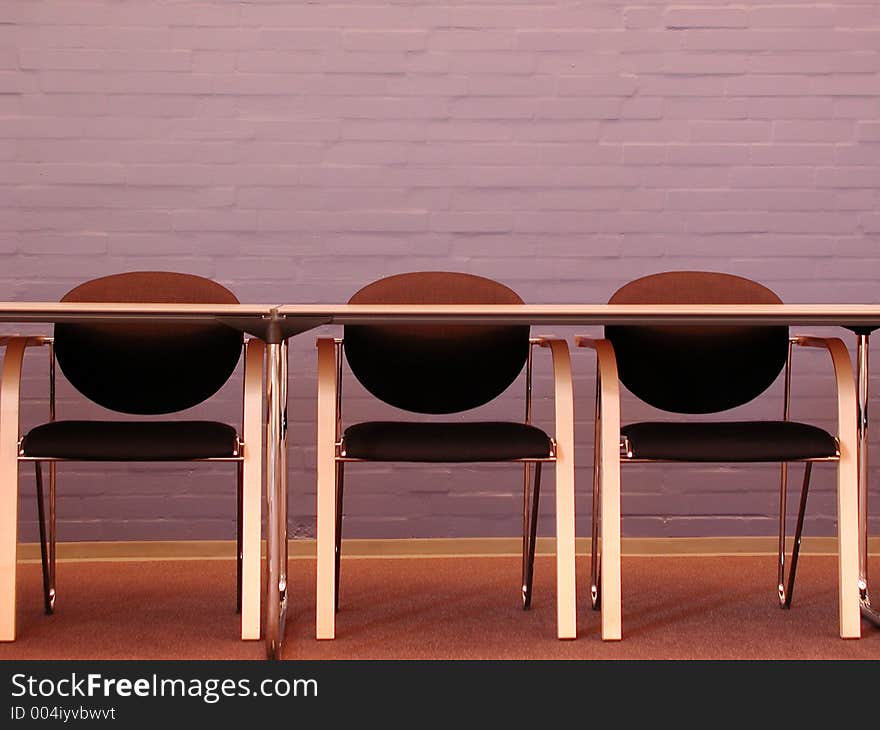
x,y
428,547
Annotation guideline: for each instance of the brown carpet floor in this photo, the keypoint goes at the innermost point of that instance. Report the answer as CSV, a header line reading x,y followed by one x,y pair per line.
x,y
440,608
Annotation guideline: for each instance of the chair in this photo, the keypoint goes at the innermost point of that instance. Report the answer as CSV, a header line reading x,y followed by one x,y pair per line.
x,y
440,370
705,370
145,369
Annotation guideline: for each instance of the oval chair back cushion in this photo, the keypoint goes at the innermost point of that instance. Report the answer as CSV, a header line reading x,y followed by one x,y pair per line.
x,y
697,369
151,367
436,368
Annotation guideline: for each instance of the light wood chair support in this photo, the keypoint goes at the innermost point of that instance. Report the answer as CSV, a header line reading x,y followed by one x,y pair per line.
x,y
326,508
847,485
10,392
566,601
608,454
251,516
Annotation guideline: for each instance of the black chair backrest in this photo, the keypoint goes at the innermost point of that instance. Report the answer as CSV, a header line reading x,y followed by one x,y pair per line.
x,y
697,369
436,368
148,368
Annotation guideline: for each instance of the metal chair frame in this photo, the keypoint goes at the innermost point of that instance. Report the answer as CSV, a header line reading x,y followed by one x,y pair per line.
x,y
48,536
784,588
531,486
531,494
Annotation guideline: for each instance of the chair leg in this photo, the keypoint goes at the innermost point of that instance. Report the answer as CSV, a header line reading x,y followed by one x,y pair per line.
x,y
595,578
239,536
45,551
340,475
525,530
530,532
783,490
52,534
792,571
780,548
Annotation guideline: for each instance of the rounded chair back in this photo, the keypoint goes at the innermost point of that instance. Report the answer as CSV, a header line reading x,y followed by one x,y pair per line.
x,y
436,368
697,369
148,368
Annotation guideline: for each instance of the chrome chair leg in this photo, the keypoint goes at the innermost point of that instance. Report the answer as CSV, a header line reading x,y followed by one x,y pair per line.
x,y
239,536
340,475
595,578
786,591
530,532
780,548
525,529
48,582
52,534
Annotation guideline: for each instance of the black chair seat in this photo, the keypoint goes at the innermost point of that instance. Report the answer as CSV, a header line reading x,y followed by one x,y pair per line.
x,y
131,440
743,441
445,442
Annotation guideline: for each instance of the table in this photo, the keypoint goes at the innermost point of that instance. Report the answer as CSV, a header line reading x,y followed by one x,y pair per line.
x,y
275,324
860,318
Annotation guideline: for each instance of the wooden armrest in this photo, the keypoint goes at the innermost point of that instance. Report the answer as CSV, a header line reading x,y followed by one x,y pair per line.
x,y
563,393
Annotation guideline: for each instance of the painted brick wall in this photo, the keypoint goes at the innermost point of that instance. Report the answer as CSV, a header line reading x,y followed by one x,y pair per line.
x,y
297,150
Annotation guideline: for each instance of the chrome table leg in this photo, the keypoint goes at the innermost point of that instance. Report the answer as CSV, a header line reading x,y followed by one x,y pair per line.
x,y
868,612
276,499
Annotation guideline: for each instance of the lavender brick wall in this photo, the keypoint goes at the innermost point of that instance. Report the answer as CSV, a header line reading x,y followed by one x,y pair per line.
x,y
295,151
